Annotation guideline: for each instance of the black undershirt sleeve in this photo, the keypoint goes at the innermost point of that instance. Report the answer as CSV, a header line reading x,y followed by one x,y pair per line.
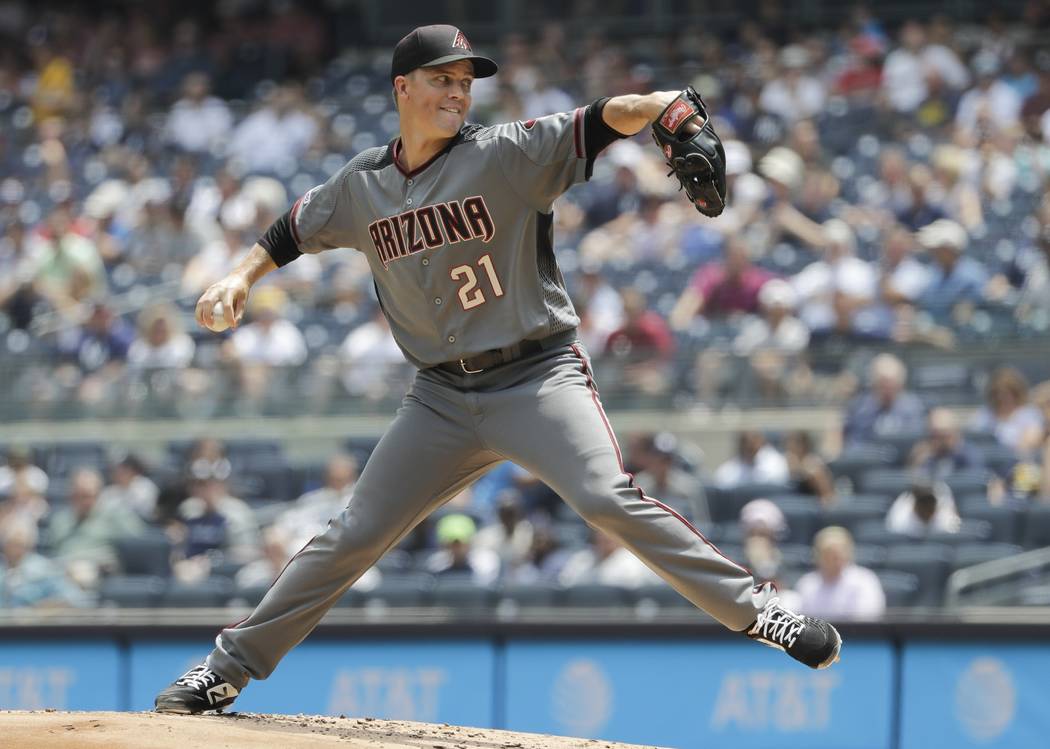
x,y
279,242
596,132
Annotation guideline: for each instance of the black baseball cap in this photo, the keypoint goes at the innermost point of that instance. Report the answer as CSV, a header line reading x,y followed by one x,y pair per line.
x,y
436,45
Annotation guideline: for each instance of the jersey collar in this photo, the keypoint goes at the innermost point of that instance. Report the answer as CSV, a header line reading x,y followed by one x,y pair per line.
x,y
395,150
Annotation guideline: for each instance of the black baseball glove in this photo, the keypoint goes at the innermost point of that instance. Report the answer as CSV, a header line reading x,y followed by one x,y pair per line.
x,y
693,151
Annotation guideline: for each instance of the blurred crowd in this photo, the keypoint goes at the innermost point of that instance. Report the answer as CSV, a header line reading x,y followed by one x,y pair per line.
x,y
886,198
911,494
886,187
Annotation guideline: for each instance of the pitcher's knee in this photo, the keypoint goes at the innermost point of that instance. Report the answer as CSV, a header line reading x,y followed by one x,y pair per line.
x,y
353,540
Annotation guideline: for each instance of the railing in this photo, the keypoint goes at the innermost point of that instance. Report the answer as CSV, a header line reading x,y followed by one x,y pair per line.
x,y
703,375
998,581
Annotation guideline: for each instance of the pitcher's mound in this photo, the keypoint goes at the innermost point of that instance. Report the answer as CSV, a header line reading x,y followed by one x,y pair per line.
x,y
49,728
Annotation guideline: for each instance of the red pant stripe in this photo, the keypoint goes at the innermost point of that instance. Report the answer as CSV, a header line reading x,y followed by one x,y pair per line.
x,y
630,477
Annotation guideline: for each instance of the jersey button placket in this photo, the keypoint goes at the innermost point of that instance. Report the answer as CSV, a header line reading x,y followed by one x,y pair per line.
x,y
452,339
426,261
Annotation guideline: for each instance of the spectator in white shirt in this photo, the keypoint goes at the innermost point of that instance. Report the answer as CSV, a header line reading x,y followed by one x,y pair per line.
x,y
903,277
911,70
511,536
20,468
606,562
991,105
270,339
372,365
924,509
131,488
263,351
198,122
603,305
309,514
833,291
273,138
542,98
161,342
793,95
777,329
756,462
839,589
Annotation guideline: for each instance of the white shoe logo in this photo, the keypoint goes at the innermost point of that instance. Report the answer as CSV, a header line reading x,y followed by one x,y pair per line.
x,y
221,692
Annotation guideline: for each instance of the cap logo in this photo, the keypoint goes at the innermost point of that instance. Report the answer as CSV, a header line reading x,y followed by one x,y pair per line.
x,y
676,114
461,41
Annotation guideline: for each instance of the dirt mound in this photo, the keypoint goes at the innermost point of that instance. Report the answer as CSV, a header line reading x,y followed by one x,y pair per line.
x,y
47,729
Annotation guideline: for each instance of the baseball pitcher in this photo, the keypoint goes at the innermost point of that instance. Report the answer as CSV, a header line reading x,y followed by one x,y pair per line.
x,y
456,222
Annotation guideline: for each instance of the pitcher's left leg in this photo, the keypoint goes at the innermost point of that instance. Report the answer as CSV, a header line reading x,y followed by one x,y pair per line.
x,y
555,427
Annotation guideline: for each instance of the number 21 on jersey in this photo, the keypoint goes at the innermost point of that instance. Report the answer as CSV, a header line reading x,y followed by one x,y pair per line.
x,y
470,296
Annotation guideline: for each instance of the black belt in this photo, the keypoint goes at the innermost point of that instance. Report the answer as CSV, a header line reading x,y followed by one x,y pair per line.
x,y
500,356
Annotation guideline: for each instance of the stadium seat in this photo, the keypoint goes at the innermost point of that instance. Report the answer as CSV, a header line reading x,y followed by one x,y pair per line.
x,y
132,591
735,552
663,595
395,560
571,535
901,443
930,562
856,459
968,482
1036,525
462,594
60,459
724,533
901,588
999,458
875,532
850,515
969,554
1004,521
588,595
250,595
970,530
788,576
404,589
212,592
351,599
872,556
889,481
149,554
796,555
725,504
529,594
801,513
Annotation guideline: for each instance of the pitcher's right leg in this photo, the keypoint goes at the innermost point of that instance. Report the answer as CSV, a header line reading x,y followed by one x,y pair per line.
x,y
428,454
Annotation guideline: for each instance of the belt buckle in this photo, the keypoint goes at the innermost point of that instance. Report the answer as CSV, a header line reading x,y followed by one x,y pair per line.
x,y
463,366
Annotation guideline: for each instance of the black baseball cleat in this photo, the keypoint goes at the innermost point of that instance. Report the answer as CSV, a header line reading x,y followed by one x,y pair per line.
x,y
196,691
811,641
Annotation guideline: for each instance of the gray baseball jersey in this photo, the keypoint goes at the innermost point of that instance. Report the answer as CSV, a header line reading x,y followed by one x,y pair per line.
x,y
461,251
447,241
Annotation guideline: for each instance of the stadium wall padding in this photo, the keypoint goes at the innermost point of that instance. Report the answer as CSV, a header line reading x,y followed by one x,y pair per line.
x,y
676,693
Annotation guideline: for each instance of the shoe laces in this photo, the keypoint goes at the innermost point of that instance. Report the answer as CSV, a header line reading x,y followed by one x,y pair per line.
x,y
199,677
778,624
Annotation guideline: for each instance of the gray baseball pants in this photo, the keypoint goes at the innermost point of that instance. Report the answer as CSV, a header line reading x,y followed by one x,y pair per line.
x,y
543,413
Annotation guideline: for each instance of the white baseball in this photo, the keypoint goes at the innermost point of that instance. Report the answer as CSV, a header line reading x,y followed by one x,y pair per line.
x,y
218,319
